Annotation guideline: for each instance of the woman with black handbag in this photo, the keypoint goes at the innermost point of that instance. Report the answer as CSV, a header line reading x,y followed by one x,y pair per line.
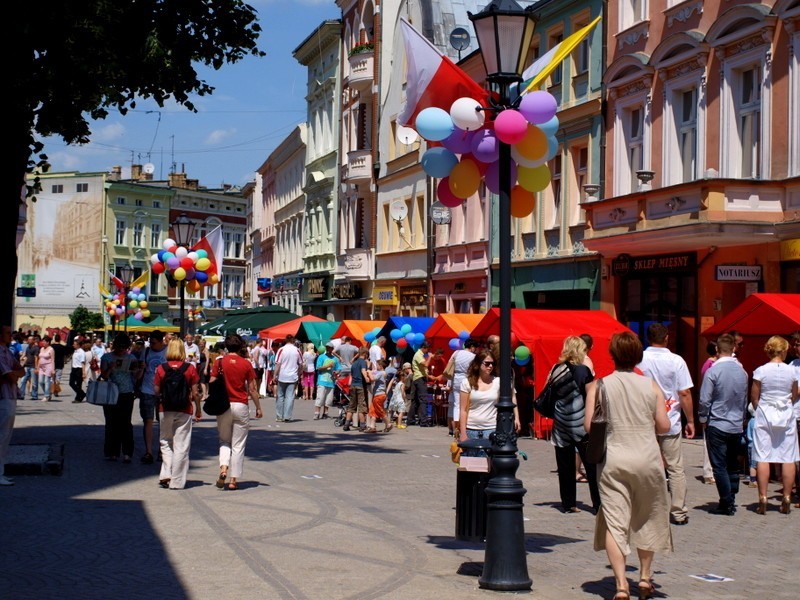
x,y
570,381
121,368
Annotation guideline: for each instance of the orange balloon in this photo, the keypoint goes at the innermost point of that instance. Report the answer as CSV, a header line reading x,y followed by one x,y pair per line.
x,y
535,179
465,178
522,202
534,144
193,286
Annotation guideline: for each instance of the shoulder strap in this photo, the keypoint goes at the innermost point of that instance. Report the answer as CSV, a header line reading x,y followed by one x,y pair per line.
x,y
183,368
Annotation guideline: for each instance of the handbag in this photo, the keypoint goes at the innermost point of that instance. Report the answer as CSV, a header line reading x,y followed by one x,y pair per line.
x,y
450,369
545,403
56,388
217,401
102,393
596,442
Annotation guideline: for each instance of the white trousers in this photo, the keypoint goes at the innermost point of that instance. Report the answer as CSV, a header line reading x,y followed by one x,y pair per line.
x,y
176,441
232,427
8,413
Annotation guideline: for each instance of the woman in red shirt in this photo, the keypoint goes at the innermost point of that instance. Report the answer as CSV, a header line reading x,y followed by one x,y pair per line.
x,y
176,425
233,424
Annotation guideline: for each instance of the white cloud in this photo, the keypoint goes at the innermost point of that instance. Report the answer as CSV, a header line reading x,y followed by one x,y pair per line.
x,y
110,132
218,136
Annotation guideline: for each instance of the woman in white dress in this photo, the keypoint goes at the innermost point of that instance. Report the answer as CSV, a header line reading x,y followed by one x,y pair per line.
x,y
773,393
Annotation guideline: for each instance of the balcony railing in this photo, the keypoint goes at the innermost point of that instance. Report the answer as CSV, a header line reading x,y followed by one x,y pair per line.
x,y
362,71
355,263
359,166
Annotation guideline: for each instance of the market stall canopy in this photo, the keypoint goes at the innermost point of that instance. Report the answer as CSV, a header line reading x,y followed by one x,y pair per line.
x,y
140,326
544,331
356,330
762,315
417,324
317,333
449,326
280,331
247,322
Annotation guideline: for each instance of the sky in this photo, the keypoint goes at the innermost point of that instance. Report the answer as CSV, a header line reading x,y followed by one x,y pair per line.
x,y
256,104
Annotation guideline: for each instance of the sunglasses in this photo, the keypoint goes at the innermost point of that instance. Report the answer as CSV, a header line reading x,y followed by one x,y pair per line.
x,y
488,363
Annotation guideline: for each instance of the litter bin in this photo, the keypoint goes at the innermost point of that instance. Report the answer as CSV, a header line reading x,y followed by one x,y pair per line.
x,y
471,498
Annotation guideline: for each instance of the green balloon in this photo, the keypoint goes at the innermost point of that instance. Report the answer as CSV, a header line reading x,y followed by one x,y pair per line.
x,y
522,352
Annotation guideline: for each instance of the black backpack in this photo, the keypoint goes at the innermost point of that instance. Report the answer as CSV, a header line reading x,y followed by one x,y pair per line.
x,y
174,388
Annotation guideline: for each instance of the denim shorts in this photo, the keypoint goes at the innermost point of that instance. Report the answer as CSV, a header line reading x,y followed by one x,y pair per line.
x,y
147,406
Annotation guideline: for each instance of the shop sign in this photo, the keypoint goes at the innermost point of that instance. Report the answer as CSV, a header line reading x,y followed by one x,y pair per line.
x,y
316,287
739,272
459,288
346,291
625,264
790,250
384,296
414,296
244,332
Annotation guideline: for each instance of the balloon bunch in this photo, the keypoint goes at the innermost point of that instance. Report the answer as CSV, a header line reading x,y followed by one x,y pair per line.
x,y
370,336
183,264
136,305
470,148
405,338
458,342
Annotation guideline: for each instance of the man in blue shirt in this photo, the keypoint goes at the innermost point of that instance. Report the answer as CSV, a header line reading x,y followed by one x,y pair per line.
x,y
328,367
723,401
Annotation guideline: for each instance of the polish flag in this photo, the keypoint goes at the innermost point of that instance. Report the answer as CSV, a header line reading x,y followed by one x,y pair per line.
x,y
432,79
116,280
213,244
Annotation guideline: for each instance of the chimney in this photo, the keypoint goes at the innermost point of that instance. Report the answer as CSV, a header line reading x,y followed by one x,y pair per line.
x,y
193,184
136,172
116,173
177,180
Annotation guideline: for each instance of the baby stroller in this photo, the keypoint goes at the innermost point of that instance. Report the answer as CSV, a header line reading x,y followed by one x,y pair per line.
x,y
341,398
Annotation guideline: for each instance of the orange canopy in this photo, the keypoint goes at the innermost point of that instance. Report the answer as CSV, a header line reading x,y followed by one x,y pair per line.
x,y
449,326
356,330
543,332
278,332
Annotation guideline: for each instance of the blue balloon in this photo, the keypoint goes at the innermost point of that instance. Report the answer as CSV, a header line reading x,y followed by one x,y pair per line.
x,y
549,127
411,338
201,276
455,344
369,336
419,338
438,162
552,148
141,297
405,329
161,255
524,362
434,124
395,334
463,336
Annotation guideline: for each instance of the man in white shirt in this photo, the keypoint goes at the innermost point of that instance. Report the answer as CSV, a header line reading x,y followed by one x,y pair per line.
x,y
288,361
671,374
80,367
192,350
376,353
97,353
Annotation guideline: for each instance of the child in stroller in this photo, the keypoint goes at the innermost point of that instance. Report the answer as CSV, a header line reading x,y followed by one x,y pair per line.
x,y
341,397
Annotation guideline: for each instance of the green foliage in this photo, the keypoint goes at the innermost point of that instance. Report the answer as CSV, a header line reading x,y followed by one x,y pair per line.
x,y
81,320
362,48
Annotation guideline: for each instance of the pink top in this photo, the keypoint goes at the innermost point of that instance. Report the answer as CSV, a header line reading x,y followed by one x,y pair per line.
x,y
47,361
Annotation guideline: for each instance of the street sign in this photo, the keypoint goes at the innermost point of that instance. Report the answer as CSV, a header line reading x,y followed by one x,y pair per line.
x,y
26,292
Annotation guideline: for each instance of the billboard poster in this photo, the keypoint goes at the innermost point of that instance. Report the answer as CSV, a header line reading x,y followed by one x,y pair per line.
x,y
60,254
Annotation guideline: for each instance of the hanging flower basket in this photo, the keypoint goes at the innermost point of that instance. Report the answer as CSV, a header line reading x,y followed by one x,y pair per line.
x,y
362,49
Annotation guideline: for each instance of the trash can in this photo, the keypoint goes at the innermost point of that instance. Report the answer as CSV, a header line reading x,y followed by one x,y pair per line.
x,y
471,505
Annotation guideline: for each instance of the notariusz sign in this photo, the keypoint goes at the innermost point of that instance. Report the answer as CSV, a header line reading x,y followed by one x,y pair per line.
x,y
739,272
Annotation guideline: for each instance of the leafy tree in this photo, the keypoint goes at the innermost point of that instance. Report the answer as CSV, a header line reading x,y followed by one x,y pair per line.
x,y
78,59
81,320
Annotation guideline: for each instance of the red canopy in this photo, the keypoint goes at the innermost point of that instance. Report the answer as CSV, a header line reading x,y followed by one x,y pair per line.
x,y
278,332
449,326
543,332
356,330
761,314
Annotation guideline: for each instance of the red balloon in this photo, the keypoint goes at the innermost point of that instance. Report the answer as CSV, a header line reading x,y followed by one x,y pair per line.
x,y
173,249
444,194
402,344
187,263
158,268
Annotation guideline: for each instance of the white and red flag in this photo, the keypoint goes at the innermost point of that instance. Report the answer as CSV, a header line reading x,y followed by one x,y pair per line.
x,y
213,243
432,79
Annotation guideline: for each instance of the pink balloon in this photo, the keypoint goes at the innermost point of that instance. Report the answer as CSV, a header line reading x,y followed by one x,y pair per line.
x,y
444,194
510,126
459,142
493,176
485,147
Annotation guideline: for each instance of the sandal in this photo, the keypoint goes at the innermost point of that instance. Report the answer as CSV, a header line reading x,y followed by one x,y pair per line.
x,y
233,486
387,427
581,478
645,588
762,505
786,505
622,595
164,483
221,479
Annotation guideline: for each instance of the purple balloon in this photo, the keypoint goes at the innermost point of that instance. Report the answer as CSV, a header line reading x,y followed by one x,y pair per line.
x,y
485,146
174,262
459,141
538,107
493,176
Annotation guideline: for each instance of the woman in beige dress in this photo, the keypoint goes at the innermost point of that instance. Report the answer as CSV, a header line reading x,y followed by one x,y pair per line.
x,y
634,509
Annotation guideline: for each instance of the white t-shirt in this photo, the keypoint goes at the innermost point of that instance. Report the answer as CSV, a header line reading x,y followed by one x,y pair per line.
x,y
375,354
287,363
192,353
482,411
671,374
78,358
309,361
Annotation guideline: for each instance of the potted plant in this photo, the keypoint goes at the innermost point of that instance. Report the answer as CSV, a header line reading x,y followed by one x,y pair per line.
x,y
362,48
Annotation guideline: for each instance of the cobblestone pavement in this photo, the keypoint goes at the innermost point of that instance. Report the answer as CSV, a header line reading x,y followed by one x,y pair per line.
x,y
323,513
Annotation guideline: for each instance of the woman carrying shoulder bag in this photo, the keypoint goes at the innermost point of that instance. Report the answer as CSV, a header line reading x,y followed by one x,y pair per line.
x,y
119,367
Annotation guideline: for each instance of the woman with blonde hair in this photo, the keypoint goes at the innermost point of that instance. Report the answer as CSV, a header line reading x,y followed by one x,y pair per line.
x,y
773,393
571,380
309,371
634,509
176,423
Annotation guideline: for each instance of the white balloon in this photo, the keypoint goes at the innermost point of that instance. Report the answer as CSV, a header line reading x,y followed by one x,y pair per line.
x,y
154,259
465,116
193,256
526,162
168,243
181,252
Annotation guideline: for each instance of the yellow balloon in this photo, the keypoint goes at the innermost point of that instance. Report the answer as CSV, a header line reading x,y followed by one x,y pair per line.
x,y
534,144
535,179
145,313
202,264
465,178
179,274
522,202
214,278
115,302
133,304
143,304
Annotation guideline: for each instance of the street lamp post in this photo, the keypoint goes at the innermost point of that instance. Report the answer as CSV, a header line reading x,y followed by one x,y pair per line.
x,y
182,232
504,31
126,275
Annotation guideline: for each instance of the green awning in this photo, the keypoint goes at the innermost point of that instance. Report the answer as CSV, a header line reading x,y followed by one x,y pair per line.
x,y
247,322
317,332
